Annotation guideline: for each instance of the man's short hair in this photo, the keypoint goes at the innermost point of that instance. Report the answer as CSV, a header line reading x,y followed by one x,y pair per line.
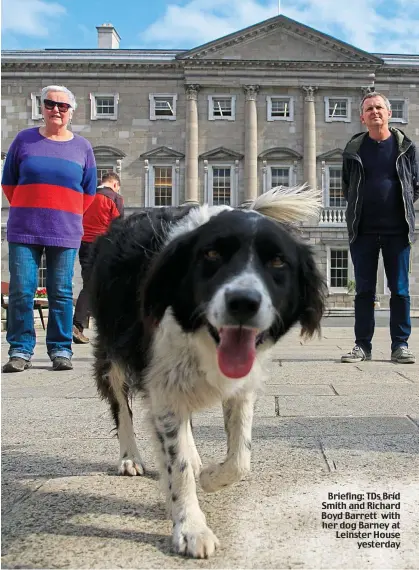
x,y
111,177
374,94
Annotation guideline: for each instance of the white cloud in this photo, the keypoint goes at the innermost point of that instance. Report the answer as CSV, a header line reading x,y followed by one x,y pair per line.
x,y
201,21
30,17
357,22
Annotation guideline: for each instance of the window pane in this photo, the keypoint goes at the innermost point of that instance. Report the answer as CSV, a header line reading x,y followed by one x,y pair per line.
x,y
105,105
336,199
221,107
338,108
397,108
280,177
103,169
280,107
163,186
339,268
38,104
221,186
163,106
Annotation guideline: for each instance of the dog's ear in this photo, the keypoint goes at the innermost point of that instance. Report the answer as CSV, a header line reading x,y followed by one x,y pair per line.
x,y
312,293
164,278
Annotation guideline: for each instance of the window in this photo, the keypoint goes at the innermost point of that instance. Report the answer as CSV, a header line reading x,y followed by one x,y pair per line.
x,y
335,198
162,182
280,108
108,159
338,268
222,107
104,106
280,176
162,106
102,169
337,109
163,185
42,272
221,186
221,183
36,106
398,111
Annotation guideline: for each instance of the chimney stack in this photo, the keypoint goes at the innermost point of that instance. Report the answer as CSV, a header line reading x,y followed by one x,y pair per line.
x,y
107,37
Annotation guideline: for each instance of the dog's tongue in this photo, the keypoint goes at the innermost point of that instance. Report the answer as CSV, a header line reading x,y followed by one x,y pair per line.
x,y
236,351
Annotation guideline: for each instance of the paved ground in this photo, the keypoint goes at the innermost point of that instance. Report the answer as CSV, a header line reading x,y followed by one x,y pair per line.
x,y
321,427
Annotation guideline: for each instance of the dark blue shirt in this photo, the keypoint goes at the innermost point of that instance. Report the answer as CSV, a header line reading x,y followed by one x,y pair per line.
x,y
382,200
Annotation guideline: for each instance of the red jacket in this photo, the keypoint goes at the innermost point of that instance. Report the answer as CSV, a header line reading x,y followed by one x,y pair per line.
x,y
106,206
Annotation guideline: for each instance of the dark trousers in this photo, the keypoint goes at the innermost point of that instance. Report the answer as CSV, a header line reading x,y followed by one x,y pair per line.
x,y
365,252
82,310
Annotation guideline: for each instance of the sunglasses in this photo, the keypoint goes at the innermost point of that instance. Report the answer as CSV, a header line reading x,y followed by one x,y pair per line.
x,y
62,107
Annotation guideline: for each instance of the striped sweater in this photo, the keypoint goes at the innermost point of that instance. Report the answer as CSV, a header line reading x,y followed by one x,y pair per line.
x,y
49,185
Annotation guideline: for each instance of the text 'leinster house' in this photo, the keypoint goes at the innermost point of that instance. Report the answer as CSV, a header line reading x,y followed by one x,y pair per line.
x,y
273,104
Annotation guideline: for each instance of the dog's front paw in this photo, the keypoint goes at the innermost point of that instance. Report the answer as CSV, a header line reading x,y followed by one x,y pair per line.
x,y
194,539
131,467
220,475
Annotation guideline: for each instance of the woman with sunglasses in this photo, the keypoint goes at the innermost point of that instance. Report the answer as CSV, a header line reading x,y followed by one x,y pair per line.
x,y
49,179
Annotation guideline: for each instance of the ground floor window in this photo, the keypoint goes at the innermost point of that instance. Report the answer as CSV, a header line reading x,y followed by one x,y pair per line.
x,y
103,169
221,186
280,176
339,268
221,183
163,185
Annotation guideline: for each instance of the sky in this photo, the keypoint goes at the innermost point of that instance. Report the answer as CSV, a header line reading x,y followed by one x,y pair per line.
x,y
380,26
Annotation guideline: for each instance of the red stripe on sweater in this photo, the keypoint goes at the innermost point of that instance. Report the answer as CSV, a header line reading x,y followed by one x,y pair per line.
x,y
8,191
48,196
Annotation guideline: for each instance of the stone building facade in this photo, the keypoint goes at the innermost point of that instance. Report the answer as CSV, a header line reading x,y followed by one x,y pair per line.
x,y
272,104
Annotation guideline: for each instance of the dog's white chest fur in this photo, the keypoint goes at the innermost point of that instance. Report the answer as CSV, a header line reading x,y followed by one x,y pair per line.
x,y
185,367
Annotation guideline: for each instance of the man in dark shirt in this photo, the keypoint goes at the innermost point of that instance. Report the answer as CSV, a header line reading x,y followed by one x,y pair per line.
x,y
106,206
379,181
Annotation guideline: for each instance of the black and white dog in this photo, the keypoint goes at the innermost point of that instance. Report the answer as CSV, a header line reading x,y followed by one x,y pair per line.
x,y
187,303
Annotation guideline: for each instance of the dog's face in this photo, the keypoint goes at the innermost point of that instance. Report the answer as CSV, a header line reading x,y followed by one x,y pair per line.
x,y
245,278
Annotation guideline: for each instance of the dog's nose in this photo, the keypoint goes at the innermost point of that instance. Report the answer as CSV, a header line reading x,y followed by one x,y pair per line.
x,y
242,304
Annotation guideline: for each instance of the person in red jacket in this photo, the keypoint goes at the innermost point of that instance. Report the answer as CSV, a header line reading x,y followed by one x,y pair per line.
x,y
107,205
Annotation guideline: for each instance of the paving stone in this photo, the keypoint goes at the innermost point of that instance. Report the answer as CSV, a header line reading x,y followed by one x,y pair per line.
x,y
339,429
394,405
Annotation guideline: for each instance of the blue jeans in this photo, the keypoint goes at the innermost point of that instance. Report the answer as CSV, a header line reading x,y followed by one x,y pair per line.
x,y
24,261
365,252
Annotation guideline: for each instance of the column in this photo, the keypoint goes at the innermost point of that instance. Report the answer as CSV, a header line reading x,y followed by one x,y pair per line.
x,y
191,156
250,144
309,137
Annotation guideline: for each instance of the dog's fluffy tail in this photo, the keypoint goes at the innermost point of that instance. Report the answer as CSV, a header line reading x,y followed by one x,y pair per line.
x,y
289,205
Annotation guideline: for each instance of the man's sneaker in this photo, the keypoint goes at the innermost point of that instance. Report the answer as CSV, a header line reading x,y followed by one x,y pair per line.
x,y
62,363
78,336
357,354
17,364
403,355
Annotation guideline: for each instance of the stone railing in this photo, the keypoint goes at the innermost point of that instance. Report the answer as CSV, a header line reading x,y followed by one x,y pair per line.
x,y
332,217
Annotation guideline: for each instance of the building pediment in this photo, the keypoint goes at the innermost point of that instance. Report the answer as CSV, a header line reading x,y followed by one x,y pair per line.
x,y
280,153
162,152
108,152
221,153
335,154
280,39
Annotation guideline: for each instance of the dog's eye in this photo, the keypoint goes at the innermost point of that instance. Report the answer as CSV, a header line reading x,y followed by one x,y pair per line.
x,y
276,262
212,255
